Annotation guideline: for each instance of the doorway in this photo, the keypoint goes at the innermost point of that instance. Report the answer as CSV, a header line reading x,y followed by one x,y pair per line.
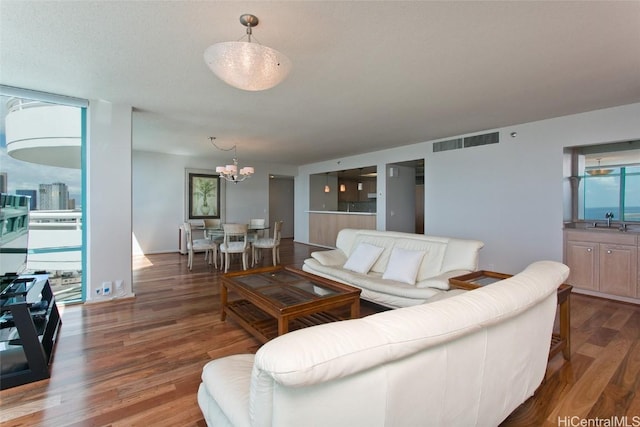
x,y
405,196
281,203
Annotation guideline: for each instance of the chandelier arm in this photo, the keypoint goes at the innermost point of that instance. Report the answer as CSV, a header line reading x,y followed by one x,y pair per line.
x,y
212,139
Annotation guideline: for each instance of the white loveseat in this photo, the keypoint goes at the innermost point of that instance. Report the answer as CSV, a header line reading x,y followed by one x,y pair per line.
x,y
443,258
468,360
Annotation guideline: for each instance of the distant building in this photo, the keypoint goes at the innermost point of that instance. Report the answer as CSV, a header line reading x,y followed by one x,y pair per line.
x,y
52,197
34,197
3,182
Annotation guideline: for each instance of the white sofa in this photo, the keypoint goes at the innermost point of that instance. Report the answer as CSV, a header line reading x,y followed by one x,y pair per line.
x,y
443,258
468,360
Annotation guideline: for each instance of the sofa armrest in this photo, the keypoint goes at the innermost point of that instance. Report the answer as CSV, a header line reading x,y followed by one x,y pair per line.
x,y
331,257
441,281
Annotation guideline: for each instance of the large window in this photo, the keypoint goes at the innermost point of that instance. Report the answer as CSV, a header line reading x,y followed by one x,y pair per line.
x,y
41,143
617,190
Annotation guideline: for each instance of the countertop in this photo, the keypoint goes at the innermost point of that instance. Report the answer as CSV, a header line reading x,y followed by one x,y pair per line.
x,y
341,213
602,228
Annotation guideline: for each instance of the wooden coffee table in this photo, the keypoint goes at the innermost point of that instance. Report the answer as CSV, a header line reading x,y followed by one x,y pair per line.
x,y
561,340
274,300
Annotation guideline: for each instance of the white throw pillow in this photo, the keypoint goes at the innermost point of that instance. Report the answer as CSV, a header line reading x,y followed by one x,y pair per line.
x,y
403,265
362,259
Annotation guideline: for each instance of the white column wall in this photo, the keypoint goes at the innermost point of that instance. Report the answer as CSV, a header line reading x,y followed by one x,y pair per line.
x,y
108,198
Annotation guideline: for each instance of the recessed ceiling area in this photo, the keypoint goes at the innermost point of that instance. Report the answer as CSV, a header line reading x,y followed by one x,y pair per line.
x,y
614,154
365,75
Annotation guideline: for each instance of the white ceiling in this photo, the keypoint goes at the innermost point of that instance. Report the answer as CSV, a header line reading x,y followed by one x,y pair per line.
x,y
366,75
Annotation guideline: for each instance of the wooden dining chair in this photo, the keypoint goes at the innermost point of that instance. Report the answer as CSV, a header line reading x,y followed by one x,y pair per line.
x,y
209,247
272,243
235,241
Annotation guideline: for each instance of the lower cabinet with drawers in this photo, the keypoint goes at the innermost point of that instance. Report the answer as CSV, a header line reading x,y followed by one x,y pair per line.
x,y
603,262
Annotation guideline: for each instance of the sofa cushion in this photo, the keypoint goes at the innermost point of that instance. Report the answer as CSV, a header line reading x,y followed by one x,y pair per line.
x,y
403,265
362,258
431,264
332,257
385,242
371,281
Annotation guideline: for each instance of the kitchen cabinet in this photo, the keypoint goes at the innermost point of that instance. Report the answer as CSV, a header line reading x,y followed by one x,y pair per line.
x,y
582,259
605,262
618,269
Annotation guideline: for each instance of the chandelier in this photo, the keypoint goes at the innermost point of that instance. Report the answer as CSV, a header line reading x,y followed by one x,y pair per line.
x,y
599,170
231,172
246,65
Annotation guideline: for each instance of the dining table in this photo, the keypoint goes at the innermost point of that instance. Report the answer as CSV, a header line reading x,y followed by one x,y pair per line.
x,y
214,233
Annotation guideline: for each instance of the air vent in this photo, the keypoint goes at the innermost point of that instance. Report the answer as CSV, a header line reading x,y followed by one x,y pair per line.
x,y
487,138
452,144
470,141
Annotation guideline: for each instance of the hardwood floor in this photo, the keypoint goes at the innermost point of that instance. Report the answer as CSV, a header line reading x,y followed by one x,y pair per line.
x,y
138,361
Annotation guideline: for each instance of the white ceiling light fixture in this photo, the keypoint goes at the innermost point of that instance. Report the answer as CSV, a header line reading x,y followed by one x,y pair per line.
x,y
246,65
230,172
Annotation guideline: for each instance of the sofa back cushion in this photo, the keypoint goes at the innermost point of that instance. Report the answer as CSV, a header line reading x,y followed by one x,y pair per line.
x,y
434,255
436,260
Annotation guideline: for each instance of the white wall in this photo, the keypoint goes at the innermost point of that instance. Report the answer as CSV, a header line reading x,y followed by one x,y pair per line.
x,y
108,198
159,196
509,195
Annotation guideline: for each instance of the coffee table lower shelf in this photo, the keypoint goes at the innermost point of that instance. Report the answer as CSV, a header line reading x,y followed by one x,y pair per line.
x,y
265,327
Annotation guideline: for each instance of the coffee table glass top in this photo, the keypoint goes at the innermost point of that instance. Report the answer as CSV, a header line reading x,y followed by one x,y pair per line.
x,y
285,287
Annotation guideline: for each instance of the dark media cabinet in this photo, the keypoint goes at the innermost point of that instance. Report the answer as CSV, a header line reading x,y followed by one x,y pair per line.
x,y
29,324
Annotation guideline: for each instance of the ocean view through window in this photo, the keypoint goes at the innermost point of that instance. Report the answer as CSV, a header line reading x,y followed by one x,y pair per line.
x,y
617,192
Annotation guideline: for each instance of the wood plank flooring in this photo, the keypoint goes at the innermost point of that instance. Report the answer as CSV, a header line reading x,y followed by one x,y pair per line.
x,y
137,362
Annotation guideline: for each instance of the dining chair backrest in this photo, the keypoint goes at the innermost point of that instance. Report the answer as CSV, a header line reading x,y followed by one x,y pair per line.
x,y
212,223
257,223
277,231
235,232
188,233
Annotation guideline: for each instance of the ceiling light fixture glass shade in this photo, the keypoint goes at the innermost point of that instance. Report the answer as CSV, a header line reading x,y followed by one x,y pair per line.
x,y
247,65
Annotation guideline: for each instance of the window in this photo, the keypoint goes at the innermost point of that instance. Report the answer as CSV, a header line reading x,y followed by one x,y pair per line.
x,y
617,191
41,157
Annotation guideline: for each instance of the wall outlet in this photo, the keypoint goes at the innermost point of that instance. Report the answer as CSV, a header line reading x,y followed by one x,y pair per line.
x,y
106,288
99,291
